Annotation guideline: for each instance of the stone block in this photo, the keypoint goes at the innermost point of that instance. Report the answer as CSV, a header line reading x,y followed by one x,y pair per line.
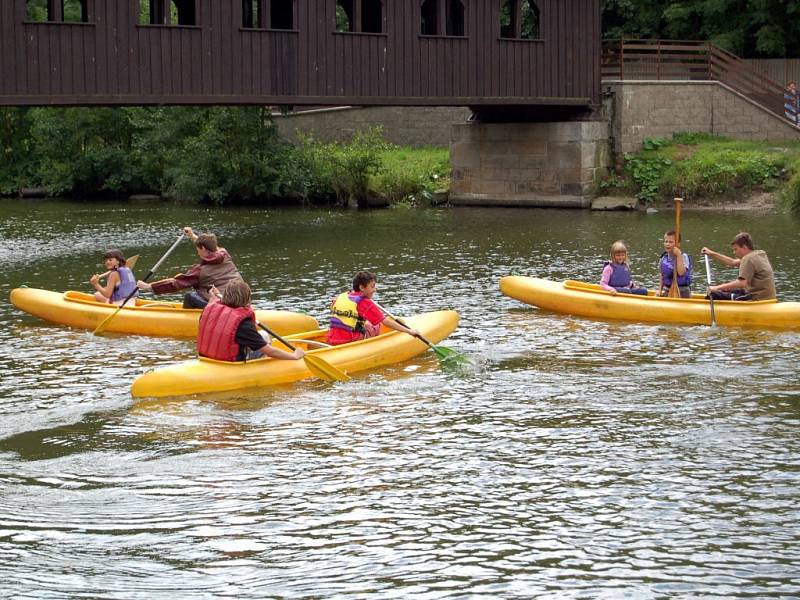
x,y
614,203
465,155
565,155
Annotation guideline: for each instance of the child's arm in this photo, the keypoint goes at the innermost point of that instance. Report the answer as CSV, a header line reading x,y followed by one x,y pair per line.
x,y
605,278
111,283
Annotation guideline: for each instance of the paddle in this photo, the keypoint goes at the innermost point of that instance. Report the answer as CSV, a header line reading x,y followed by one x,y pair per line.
x,y
441,351
104,324
130,263
674,291
710,297
318,366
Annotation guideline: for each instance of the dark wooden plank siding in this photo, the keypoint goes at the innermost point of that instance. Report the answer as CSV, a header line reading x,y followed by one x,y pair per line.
x,y
115,60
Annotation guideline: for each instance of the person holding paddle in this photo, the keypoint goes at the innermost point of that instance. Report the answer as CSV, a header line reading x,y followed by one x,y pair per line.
x,y
756,280
120,282
354,316
215,268
673,261
228,328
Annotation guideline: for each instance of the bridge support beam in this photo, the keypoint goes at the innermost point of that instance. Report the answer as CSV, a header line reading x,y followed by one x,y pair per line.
x,y
528,164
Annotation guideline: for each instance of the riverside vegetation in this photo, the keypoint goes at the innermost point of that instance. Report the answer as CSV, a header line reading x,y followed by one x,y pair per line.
x,y
709,168
220,155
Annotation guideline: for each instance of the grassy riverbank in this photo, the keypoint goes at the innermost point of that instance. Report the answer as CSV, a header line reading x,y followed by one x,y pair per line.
x,y
705,169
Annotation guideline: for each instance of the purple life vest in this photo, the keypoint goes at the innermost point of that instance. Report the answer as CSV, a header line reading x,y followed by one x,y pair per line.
x,y
620,275
126,285
667,266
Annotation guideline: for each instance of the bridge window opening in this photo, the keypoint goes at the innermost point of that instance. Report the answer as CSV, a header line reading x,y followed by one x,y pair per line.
x,y
182,12
454,18
519,19
281,14
152,12
76,11
55,11
430,17
359,16
37,10
372,16
344,15
251,14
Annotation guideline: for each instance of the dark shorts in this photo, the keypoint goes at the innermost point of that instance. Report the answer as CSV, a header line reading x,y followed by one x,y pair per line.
x,y
194,300
732,295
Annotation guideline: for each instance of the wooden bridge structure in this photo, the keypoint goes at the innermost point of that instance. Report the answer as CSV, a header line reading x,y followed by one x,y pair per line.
x,y
478,53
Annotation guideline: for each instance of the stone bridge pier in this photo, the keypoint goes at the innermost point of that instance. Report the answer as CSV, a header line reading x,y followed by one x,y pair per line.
x,y
556,164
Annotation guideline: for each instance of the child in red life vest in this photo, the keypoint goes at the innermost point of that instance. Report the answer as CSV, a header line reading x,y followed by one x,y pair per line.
x,y
354,316
120,282
228,328
616,277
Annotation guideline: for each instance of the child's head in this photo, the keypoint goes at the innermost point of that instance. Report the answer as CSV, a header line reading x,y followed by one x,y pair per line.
x,y
207,241
618,252
115,254
363,279
671,239
743,240
236,294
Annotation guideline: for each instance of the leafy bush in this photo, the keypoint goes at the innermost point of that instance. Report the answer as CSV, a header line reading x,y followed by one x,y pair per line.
x,y
413,175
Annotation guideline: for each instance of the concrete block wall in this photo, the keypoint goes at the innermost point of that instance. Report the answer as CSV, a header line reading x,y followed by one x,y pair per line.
x,y
402,125
642,109
528,164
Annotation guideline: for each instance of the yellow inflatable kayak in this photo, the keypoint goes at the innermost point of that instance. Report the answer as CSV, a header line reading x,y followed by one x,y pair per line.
x,y
590,300
203,375
146,317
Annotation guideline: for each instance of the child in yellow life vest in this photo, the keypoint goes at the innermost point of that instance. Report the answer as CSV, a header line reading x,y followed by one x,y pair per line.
x,y
354,316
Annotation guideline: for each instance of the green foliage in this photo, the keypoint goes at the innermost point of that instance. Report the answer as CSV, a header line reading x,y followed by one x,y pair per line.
x,y
217,154
614,183
36,10
698,165
766,28
233,155
17,162
354,163
412,175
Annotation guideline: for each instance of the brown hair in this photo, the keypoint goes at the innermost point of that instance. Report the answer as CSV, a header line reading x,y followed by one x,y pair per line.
x,y
236,294
618,246
207,241
673,233
363,278
115,254
743,240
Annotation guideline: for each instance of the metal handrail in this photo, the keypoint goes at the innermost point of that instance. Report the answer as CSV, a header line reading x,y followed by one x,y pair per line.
x,y
680,60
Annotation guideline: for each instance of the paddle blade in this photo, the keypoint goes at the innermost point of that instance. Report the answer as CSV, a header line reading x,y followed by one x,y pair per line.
x,y
324,370
104,323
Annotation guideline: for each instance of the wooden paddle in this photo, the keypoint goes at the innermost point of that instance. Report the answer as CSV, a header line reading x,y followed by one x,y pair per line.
x,y
710,297
317,365
441,351
104,324
674,291
130,263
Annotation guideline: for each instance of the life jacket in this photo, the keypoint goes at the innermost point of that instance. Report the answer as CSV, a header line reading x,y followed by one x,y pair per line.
x,y
667,266
217,332
344,312
126,285
620,275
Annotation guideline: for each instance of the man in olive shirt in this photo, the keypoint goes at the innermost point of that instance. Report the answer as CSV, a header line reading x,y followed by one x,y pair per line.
x,y
756,279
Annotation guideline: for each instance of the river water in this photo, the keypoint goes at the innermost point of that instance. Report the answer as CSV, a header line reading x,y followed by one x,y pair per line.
x,y
573,459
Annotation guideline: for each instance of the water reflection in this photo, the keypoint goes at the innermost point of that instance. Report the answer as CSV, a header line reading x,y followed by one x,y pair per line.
x,y
574,459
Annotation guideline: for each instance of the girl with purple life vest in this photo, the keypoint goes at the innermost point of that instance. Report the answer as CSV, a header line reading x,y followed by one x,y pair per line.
x,y
673,261
228,331
120,282
616,277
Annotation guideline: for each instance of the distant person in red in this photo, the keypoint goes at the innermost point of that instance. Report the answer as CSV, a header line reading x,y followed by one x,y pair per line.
x,y
215,268
354,316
